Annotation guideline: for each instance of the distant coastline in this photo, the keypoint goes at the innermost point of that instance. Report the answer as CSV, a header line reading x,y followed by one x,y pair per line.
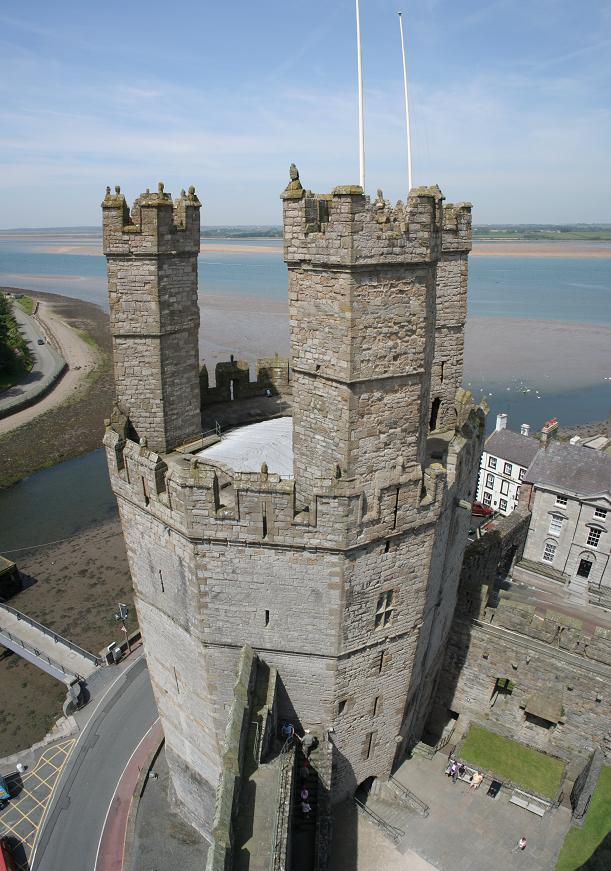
x,y
496,248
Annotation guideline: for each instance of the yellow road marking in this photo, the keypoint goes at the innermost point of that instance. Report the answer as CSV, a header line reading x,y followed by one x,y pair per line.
x,y
33,780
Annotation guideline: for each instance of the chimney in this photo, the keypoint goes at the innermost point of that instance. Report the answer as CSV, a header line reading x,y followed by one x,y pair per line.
x,y
501,421
549,430
525,429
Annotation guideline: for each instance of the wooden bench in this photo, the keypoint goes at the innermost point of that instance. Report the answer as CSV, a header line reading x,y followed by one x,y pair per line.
x,y
529,803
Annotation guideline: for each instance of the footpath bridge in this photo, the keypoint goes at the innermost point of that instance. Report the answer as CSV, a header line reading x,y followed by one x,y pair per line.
x,y
43,647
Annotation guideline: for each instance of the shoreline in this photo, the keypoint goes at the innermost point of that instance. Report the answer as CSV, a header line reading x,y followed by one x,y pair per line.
x,y
575,249
251,328
73,426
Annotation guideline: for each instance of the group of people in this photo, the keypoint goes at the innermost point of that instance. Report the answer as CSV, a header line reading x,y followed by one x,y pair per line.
x,y
457,769
308,743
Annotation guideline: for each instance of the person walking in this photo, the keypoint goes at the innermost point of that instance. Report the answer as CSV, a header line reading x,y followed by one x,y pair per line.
x,y
454,771
520,846
308,743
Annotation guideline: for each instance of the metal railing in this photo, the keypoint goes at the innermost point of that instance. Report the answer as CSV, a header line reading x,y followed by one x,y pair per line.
x,y
37,654
409,797
393,832
58,639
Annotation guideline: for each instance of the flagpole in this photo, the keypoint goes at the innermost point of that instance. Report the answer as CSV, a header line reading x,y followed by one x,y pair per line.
x,y
360,80
407,122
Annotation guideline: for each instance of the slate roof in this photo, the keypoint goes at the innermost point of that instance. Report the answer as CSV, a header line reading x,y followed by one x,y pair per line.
x,y
512,446
571,468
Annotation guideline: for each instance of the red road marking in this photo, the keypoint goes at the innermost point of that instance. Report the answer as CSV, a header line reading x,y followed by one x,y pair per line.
x,y
112,842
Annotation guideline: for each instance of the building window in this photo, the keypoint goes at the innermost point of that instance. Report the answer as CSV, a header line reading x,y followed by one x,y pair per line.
x,y
561,500
593,537
502,504
600,512
521,474
384,609
341,706
492,462
504,488
555,525
549,552
507,468
487,498
584,568
490,481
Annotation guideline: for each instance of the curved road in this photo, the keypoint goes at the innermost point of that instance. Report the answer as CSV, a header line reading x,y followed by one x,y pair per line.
x,y
44,359
73,827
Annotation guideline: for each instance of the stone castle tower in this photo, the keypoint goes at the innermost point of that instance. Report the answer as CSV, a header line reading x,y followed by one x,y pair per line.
x,y
343,576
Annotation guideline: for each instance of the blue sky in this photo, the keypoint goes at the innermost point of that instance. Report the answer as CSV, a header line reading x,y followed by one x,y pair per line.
x,y
511,104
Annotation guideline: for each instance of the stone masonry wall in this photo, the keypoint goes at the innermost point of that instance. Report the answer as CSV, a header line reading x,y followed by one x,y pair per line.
x,y
362,315
154,315
540,651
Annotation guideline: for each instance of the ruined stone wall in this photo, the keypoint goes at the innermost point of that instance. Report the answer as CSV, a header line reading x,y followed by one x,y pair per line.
x,y
479,654
232,380
540,651
154,315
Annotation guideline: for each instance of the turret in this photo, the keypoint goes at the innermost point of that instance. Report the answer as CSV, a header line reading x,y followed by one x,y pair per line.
x,y
451,314
362,320
152,281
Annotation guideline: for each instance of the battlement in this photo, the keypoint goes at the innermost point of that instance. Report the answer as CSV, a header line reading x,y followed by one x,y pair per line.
x,y
155,225
345,228
207,499
457,232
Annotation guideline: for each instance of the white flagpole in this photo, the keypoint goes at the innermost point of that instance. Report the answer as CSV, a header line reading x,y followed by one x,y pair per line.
x,y
407,122
361,118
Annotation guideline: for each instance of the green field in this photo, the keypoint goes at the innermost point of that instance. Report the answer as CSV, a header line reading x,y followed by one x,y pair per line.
x,y
26,303
580,844
508,760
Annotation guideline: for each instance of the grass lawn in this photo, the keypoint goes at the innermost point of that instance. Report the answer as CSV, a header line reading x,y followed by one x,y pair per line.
x,y
27,304
580,844
509,760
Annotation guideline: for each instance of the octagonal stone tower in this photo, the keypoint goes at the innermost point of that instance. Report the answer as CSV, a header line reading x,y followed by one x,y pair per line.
x,y
342,575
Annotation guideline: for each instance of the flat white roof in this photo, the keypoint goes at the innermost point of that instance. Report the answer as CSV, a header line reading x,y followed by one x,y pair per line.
x,y
246,448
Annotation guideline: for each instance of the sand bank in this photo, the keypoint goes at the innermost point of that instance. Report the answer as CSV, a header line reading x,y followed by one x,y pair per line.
x,y
551,354
590,250
593,250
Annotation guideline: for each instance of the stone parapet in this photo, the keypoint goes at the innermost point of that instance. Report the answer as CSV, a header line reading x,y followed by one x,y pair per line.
x,y
457,228
346,229
208,500
155,225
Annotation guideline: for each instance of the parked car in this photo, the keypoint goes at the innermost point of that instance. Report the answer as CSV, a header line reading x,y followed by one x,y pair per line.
x,y
7,862
480,510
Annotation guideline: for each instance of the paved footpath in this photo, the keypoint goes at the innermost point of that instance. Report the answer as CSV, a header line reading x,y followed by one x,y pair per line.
x,y
112,840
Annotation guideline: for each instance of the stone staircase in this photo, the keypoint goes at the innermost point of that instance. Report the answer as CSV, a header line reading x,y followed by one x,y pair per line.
x,y
304,825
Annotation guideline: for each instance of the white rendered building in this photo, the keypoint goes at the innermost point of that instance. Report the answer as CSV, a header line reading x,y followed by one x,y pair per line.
x,y
506,457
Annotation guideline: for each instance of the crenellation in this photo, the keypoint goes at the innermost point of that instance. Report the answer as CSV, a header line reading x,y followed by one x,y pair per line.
x,y
344,575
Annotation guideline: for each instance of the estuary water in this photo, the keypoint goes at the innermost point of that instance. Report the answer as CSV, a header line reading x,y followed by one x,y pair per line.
x,y
569,290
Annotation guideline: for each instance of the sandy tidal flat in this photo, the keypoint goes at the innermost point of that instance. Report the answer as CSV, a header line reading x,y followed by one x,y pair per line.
x,y
595,250
551,354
